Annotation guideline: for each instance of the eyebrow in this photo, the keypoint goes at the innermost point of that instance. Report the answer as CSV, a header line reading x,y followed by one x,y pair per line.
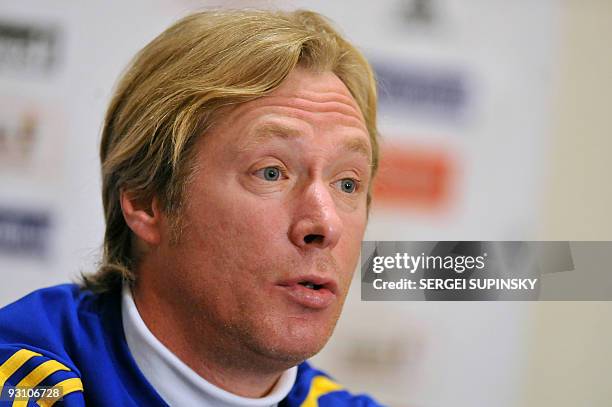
x,y
358,145
268,131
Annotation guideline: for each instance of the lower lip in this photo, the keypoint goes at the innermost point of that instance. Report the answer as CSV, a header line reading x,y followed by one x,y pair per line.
x,y
309,298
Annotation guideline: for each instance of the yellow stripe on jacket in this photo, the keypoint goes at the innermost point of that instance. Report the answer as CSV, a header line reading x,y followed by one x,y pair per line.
x,y
319,386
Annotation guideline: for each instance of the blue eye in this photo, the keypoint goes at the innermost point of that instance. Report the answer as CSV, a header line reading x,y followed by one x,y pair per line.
x,y
348,185
271,173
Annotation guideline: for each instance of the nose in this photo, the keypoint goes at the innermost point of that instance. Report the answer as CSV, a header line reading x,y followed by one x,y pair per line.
x,y
316,224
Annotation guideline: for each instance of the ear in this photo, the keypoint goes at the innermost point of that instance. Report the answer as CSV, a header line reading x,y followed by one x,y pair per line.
x,y
142,217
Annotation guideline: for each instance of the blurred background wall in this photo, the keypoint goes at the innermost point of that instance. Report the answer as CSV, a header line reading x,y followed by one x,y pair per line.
x,y
569,361
496,126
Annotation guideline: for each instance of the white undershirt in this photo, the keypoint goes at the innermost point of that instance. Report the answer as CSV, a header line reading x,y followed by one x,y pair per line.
x,y
176,382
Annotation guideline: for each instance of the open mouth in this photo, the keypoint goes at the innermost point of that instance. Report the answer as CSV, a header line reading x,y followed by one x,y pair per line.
x,y
311,285
310,291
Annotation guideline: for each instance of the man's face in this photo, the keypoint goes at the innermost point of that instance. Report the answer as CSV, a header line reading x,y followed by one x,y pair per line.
x,y
273,219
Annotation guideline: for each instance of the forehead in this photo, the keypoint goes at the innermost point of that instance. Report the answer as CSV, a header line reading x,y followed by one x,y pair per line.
x,y
314,97
317,87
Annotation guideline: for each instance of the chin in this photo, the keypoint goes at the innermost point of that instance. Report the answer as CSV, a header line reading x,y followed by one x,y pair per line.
x,y
288,355
281,343
300,340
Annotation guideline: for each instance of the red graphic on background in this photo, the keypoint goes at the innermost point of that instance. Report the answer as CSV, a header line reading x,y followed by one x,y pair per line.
x,y
414,177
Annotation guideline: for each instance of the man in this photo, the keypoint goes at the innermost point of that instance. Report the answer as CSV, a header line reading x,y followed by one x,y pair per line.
x,y
237,158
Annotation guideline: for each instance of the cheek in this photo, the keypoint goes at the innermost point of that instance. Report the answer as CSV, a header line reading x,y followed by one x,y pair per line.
x,y
226,254
349,248
236,229
354,228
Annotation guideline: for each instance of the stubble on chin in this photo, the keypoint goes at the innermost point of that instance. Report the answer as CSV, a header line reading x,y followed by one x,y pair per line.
x,y
287,338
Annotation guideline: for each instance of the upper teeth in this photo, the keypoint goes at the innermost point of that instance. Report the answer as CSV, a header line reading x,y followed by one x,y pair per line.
x,y
309,285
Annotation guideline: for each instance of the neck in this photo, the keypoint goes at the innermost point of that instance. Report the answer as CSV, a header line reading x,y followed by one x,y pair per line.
x,y
218,360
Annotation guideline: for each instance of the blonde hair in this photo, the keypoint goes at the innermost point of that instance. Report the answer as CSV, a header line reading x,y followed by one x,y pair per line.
x,y
172,89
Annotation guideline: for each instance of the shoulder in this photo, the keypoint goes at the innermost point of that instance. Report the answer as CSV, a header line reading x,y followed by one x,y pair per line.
x,y
43,315
27,373
38,332
314,388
